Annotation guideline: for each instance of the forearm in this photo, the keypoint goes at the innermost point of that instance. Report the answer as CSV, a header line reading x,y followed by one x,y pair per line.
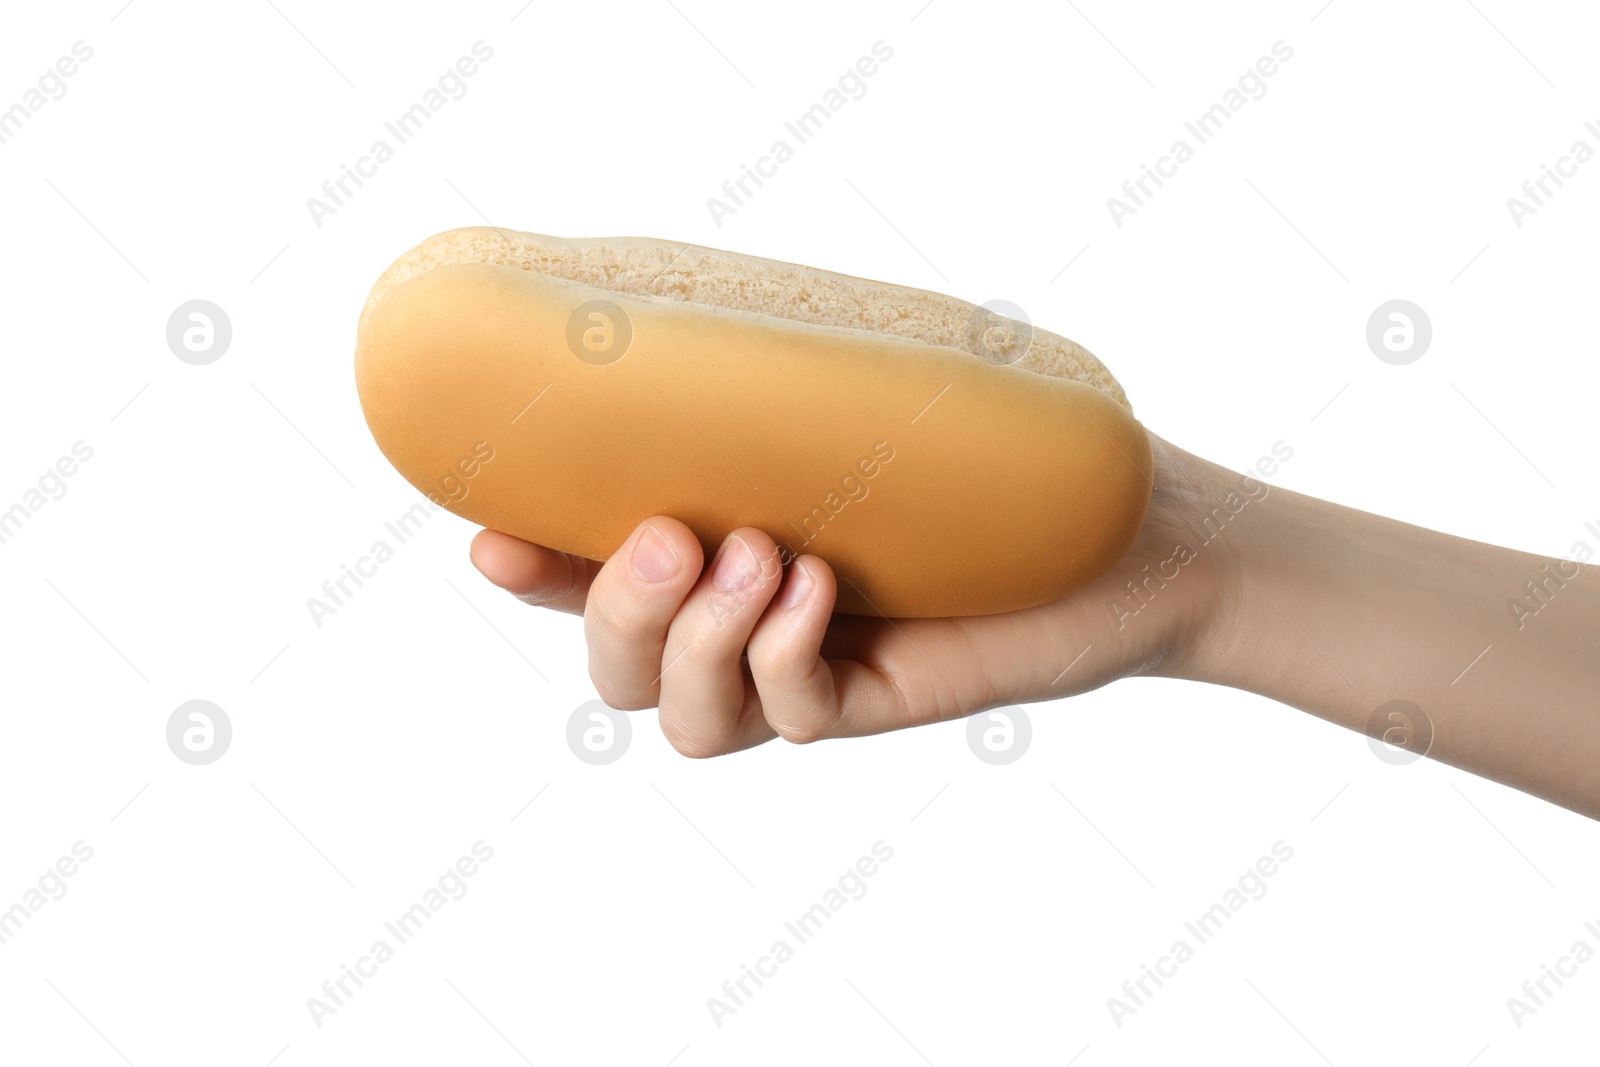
x,y
1338,612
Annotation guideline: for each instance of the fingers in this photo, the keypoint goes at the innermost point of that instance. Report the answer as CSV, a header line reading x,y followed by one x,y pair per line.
x,y
533,573
740,652
708,706
734,656
799,698
630,608
884,679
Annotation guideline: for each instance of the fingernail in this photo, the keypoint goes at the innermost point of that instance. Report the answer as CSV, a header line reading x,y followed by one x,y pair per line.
x,y
796,588
735,567
653,558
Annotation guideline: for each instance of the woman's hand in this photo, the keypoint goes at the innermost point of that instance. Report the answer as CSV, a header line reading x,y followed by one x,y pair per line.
x,y
740,651
1335,611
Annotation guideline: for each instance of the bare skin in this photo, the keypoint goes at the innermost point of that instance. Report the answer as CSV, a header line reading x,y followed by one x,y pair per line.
x,y
1329,609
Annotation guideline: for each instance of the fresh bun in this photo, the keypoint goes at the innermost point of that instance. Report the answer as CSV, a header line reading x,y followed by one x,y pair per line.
x,y
941,460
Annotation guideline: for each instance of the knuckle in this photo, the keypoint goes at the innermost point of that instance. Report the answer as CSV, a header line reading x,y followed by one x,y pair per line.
x,y
704,654
793,712
617,697
606,625
688,742
782,661
907,692
558,579
798,729
725,608
697,655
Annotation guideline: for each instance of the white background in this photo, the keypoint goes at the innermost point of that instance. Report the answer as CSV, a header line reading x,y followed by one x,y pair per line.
x,y
368,754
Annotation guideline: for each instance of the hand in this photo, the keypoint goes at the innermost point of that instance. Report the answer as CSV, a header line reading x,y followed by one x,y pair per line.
x,y
740,652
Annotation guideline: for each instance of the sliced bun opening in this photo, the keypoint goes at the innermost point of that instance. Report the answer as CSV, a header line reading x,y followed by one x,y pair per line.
x,y
651,268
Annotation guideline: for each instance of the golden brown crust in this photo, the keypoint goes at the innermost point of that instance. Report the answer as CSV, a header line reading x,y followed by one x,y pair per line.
x,y
931,482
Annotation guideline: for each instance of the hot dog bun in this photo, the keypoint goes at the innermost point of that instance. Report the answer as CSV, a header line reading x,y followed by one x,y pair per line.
x,y
564,390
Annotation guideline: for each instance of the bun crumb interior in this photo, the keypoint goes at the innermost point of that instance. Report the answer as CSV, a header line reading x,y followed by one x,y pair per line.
x,y
651,268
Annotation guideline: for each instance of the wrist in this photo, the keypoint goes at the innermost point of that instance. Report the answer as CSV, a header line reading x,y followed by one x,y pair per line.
x,y
1304,593
1227,521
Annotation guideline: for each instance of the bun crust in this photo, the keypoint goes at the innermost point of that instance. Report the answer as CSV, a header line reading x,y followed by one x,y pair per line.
x,y
564,391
